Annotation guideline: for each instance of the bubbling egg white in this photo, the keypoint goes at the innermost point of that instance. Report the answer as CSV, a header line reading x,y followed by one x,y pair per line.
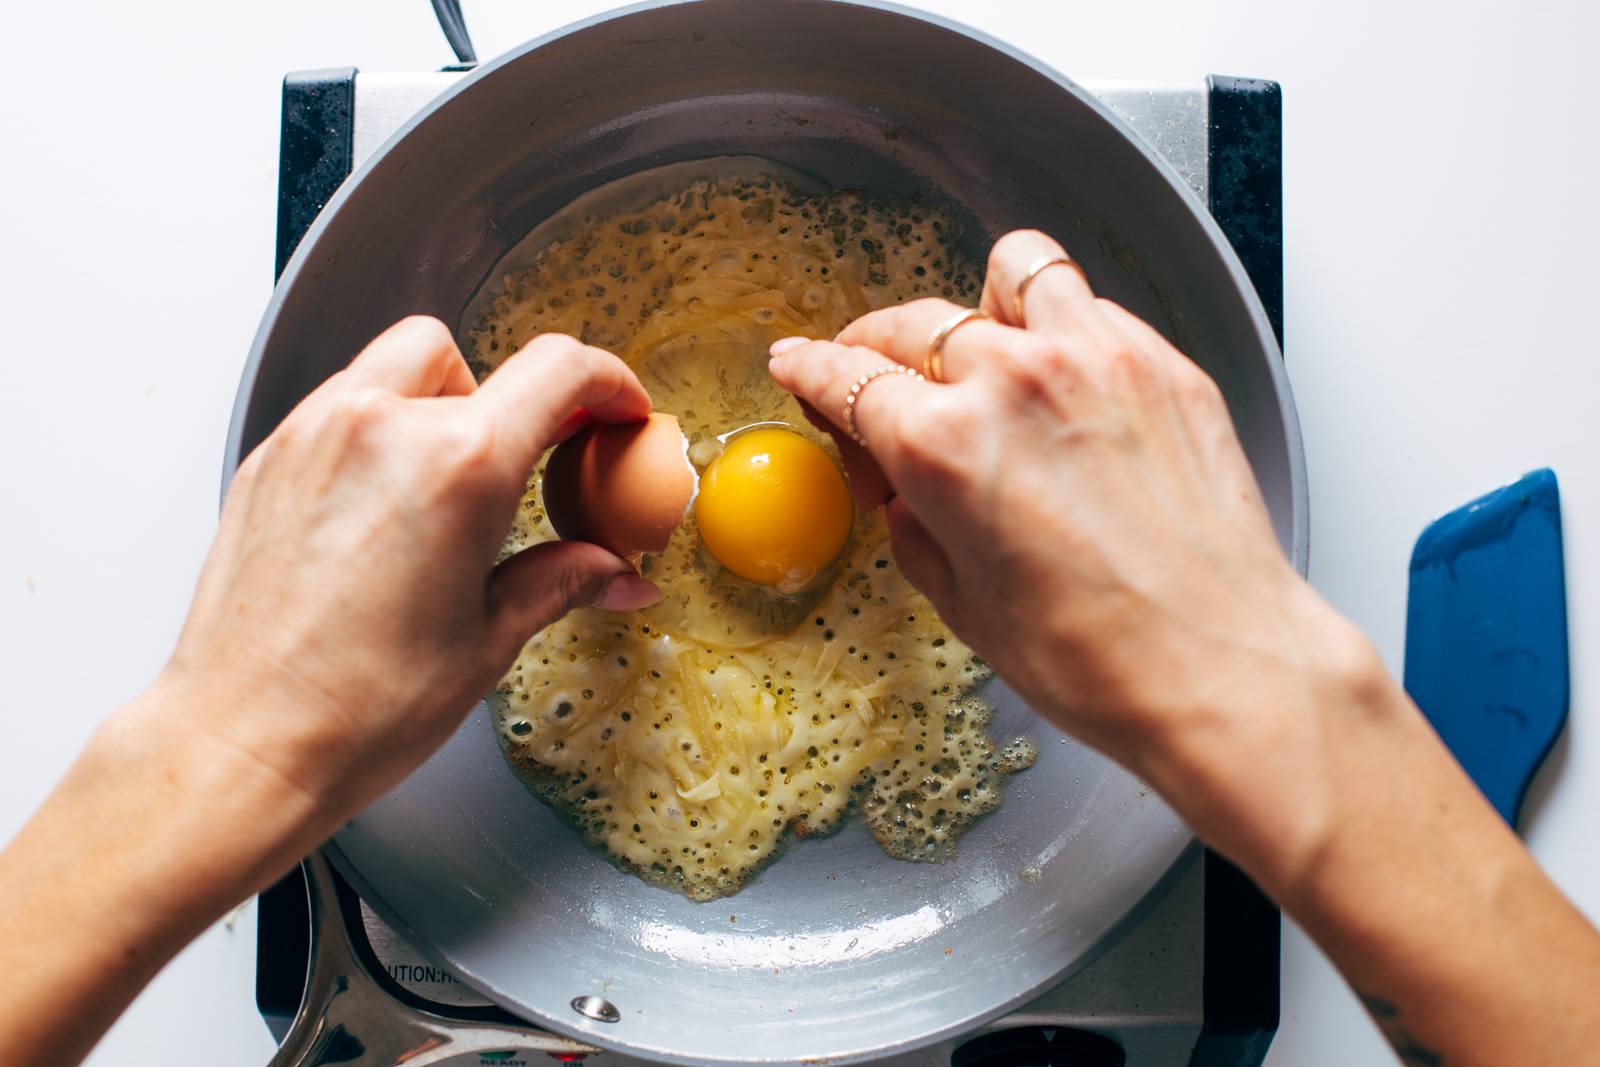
x,y
691,739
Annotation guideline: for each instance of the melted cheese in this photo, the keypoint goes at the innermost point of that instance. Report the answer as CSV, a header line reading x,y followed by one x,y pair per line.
x,y
690,739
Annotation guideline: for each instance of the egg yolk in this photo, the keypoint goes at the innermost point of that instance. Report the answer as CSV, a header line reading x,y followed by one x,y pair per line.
x,y
774,508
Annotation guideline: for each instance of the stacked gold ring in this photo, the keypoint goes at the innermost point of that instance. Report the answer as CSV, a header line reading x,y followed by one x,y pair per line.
x,y
933,362
1033,271
855,395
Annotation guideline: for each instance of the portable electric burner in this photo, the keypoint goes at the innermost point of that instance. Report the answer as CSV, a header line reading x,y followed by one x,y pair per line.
x,y
1194,981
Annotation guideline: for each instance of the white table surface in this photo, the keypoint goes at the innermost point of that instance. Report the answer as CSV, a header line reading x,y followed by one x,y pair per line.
x,y
1441,278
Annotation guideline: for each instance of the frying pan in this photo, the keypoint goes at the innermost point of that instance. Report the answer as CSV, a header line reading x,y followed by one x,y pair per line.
x,y
835,952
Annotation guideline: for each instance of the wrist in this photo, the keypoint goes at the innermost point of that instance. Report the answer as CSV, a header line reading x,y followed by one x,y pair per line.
x,y
1260,765
175,831
244,707
213,813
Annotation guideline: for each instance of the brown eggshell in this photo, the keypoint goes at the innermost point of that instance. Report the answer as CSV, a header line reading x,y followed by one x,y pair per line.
x,y
624,487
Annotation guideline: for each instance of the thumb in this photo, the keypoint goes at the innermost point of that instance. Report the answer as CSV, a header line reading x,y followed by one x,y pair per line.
x,y
540,584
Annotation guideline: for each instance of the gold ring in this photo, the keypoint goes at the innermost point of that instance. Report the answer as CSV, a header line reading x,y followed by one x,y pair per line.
x,y
1033,271
855,394
933,362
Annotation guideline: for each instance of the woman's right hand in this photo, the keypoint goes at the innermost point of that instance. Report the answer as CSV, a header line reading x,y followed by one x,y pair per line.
x,y
1075,502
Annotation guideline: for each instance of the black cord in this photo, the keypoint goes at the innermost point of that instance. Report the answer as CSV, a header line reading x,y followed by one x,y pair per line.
x,y
455,30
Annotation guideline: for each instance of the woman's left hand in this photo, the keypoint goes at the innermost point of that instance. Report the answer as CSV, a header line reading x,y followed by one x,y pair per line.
x,y
350,614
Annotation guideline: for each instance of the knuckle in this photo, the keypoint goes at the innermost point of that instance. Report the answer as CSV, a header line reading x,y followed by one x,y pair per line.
x,y
816,369
250,469
557,348
935,435
247,473
573,359
1045,356
840,364
427,331
606,367
920,311
289,432
1130,361
1198,391
1035,364
845,359
466,445
1016,243
359,410
564,585
1111,308
918,320
869,325
311,414
888,322
846,365
574,587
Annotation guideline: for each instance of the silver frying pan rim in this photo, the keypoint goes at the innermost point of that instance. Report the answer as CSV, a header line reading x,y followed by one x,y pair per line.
x,y
1174,854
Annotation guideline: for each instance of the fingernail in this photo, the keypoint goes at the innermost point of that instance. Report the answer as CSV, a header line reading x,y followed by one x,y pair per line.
x,y
780,347
627,592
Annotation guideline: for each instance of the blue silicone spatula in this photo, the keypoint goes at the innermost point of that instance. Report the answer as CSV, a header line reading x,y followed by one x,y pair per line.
x,y
1486,634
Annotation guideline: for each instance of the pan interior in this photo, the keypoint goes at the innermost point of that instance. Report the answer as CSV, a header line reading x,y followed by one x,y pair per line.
x,y
836,951
861,913
630,192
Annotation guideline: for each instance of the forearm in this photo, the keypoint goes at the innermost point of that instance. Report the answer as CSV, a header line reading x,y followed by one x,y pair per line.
x,y
1459,945
1341,801
351,594
156,830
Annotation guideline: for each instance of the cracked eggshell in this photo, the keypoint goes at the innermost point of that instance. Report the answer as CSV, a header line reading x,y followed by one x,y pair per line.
x,y
625,487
